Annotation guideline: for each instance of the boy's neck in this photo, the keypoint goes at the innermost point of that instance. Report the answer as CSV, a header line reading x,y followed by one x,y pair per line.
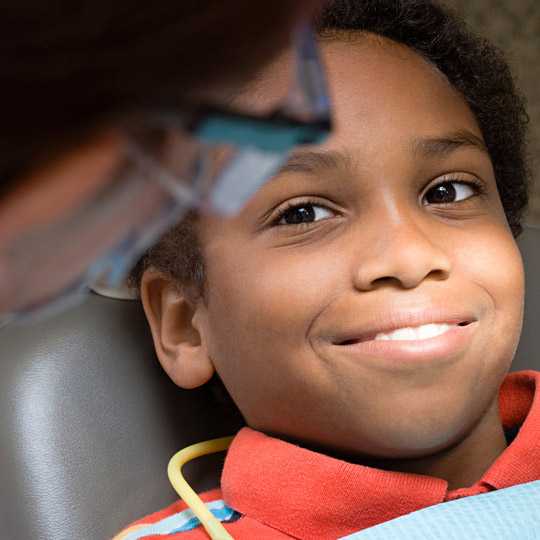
x,y
463,464
460,465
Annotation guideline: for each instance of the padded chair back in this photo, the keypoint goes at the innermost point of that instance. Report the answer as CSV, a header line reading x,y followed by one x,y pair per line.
x,y
88,420
88,423
528,353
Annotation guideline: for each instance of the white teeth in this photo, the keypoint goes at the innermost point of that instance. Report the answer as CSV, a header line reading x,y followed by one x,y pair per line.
x,y
426,331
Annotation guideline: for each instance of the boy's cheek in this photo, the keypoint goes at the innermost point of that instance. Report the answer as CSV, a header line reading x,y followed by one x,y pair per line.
x,y
494,264
281,287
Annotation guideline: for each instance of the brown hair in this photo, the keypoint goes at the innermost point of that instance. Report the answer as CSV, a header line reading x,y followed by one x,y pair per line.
x,y
178,255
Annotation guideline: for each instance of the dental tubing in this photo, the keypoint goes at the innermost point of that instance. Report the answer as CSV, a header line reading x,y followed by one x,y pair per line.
x,y
214,528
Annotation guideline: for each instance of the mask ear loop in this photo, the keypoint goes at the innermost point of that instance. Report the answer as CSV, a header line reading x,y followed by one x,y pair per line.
x,y
211,524
308,96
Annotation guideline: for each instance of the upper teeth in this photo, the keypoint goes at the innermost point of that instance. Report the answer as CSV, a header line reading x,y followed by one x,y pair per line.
x,y
425,331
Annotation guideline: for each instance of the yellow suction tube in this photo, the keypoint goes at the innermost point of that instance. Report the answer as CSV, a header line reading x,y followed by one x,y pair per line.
x,y
212,525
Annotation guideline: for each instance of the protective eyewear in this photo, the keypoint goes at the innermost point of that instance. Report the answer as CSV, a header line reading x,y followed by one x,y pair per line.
x,y
209,157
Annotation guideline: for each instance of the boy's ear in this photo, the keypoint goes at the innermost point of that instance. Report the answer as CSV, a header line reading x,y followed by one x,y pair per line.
x,y
177,329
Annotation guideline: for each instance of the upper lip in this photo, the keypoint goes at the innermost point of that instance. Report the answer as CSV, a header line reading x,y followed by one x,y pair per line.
x,y
388,322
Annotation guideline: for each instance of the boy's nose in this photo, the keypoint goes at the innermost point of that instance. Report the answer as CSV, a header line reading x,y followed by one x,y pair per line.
x,y
404,255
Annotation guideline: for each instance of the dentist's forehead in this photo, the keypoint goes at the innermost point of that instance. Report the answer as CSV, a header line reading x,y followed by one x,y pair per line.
x,y
269,88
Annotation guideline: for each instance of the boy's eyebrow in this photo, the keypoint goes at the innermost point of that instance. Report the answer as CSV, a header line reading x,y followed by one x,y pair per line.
x,y
446,144
313,161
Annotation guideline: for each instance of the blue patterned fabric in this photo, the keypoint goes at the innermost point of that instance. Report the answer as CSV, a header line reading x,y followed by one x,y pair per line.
x,y
182,521
507,514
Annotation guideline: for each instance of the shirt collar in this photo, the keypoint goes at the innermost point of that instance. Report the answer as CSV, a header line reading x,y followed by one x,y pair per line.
x,y
519,405
310,495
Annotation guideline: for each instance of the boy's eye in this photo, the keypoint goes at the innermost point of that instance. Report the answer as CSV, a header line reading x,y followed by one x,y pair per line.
x,y
303,213
449,192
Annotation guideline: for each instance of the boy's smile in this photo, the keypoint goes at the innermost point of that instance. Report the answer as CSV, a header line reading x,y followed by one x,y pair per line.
x,y
421,337
369,298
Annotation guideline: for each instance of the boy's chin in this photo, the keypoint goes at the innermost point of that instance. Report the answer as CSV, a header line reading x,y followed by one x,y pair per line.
x,y
388,453
433,421
418,446
407,438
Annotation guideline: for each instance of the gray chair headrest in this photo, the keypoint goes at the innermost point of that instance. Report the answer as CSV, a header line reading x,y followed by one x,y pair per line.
x,y
88,423
528,353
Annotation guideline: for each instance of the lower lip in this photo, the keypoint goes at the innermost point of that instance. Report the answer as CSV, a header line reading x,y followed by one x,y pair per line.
x,y
403,353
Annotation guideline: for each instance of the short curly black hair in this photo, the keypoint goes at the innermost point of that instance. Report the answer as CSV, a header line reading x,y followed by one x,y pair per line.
x,y
475,67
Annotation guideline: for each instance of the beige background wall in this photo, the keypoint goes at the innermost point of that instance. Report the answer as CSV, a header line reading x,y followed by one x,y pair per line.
x,y
514,25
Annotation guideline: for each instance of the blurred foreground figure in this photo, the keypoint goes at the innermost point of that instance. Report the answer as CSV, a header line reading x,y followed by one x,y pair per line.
x,y
116,119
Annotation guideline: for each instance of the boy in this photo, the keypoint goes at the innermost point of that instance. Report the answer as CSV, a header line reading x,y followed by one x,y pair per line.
x,y
364,307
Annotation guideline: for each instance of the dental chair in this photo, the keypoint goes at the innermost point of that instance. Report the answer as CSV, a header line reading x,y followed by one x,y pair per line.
x,y
88,420
528,353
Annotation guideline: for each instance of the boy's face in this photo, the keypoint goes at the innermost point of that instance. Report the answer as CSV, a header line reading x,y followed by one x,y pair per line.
x,y
395,222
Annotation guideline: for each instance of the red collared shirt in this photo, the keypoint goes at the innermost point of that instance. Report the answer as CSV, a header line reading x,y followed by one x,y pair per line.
x,y
280,490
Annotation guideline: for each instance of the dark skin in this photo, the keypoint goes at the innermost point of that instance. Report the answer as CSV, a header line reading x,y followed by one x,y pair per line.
x,y
394,223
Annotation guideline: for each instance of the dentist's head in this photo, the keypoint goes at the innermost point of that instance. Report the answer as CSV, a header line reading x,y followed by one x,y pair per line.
x,y
100,102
